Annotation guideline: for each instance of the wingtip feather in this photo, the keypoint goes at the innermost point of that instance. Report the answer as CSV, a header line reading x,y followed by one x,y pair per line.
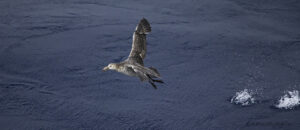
x,y
143,27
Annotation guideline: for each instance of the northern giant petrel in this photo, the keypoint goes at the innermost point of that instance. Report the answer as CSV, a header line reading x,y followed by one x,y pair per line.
x,y
134,65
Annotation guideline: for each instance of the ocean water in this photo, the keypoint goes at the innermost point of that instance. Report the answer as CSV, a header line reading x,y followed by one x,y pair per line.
x,y
207,51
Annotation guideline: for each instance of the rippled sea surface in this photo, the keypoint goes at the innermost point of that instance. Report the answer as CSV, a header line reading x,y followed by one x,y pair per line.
x,y
52,53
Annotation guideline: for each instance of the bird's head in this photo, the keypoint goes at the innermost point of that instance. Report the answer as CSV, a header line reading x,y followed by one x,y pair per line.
x,y
111,66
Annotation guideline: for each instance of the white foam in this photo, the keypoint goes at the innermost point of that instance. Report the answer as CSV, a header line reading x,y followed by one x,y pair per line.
x,y
244,97
289,101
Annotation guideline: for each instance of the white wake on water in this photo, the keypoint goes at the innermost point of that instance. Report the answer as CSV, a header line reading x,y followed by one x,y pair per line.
x,y
290,100
244,97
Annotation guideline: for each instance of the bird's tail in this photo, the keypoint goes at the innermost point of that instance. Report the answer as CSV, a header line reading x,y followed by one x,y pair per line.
x,y
143,27
155,71
152,81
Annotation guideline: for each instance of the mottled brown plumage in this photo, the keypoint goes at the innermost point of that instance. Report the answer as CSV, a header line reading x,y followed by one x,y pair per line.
x,y
134,65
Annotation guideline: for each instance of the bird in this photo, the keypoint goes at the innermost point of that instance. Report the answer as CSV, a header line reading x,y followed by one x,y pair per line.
x,y
134,64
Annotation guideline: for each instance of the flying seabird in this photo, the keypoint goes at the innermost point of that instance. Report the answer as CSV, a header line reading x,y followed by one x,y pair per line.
x,y
134,64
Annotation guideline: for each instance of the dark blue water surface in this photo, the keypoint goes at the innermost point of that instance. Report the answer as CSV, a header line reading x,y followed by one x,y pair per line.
x,y
52,53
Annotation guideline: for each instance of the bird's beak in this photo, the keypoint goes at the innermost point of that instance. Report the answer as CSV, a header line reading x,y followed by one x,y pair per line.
x,y
105,68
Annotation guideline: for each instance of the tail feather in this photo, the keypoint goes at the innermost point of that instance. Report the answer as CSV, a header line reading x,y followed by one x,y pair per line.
x,y
143,27
151,81
159,81
153,85
155,70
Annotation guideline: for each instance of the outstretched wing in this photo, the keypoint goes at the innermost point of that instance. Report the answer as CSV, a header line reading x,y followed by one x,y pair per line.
x,y
139,47
144,72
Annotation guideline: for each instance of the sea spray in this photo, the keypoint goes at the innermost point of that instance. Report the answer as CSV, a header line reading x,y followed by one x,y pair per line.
x,y
244,98
290,100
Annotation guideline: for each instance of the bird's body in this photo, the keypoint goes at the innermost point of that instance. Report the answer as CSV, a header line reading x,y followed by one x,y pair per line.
x,y
134,65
